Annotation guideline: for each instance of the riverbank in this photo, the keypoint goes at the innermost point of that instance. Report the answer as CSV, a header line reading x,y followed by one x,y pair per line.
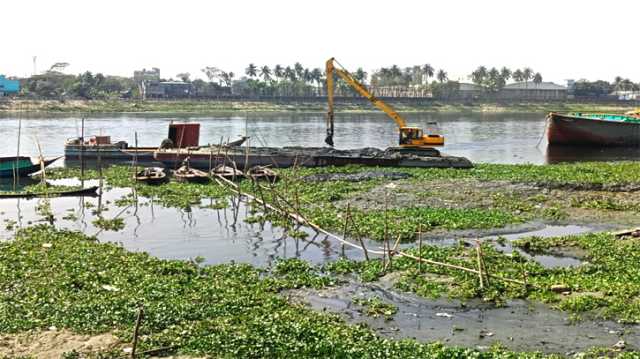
x,y
87,306
208,106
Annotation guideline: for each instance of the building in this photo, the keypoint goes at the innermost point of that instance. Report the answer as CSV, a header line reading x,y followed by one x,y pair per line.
x,y
169,89
152,75
533,91
8,87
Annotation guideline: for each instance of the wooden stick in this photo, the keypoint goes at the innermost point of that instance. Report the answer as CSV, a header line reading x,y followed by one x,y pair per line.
x,y
420,247
478,255
484,266
136,331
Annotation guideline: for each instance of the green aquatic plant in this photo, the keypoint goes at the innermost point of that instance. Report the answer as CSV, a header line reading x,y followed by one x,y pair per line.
x,y
115,224
376,307
61,278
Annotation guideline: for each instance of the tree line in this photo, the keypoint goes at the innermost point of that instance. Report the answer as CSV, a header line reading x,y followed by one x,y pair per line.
x,y
299,81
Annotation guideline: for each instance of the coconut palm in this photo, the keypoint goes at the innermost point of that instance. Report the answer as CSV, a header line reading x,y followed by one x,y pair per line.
x,y
265,73
251,70
278,72
537,78
442,76
527,74
518,76
427,72
479,75
299,69
505,73
316,75
360,75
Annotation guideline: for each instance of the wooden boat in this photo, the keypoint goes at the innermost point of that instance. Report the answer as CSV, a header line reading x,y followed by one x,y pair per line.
x,y
89,191
21,166
101,146
151,176
237,142
227,172
593,129
191,175
258,173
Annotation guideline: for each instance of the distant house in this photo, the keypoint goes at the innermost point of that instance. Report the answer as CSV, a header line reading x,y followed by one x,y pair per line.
x,y
626,95
169,89
533,91
8,87
514,91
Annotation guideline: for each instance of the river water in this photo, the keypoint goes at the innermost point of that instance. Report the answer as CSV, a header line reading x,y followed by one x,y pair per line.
x,y
488,138
221,235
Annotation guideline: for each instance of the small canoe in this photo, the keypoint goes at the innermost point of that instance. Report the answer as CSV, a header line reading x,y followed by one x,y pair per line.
x,y
593,129
237,142
190,175
151,176
89,191
227,172
21,166
261,173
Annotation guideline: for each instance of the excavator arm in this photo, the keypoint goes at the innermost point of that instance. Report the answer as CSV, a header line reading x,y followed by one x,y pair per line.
x,y
358,87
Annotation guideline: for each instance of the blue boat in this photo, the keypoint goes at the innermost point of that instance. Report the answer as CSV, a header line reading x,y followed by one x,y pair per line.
x,y
20,166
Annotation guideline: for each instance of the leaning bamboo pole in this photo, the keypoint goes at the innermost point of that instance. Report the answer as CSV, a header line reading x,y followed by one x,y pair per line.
x,y
386,251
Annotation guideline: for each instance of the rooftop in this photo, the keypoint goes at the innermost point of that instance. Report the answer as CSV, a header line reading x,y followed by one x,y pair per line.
x,y
534,86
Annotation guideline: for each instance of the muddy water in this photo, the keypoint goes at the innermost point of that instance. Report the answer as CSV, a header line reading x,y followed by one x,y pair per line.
x,y
519,325
217,235
491,138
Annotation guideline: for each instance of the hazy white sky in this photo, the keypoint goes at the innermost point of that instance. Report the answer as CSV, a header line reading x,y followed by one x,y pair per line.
x,y
562,39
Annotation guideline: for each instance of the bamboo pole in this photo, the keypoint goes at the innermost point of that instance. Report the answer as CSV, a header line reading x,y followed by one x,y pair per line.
x,y
136,331
301,219
420,247
479,260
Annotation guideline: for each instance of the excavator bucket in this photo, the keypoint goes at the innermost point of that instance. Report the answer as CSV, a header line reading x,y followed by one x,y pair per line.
x,y
329,140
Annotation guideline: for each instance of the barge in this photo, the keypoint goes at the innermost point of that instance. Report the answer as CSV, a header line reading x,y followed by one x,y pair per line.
x,y
594,129
101,147
207,158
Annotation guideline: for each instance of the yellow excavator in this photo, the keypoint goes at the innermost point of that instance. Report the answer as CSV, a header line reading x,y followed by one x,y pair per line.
x,y
412,139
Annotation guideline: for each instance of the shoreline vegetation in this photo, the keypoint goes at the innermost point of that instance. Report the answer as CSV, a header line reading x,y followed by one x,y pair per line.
x,y
354,105
63,281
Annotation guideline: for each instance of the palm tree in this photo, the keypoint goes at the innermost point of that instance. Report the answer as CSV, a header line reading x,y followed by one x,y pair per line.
x,y
251,70
278,72
518,76
427,71
299,69
316,75
442,76
537,78
505,73
360,75
265,73
527,74
479,75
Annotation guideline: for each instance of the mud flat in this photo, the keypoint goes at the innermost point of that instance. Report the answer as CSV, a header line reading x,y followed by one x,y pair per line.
x,y
519,325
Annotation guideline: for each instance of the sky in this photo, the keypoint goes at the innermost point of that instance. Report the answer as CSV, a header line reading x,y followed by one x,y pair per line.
x,y
561,39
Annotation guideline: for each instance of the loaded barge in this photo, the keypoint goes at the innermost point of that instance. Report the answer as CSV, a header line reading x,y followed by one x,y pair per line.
x,y
209,157
594,129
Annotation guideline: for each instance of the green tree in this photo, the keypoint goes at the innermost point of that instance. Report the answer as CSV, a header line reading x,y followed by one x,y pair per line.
x,y
251,71
427,72
505,73
527,74
479,75
518,76
184,76
442,76
265,73
537,78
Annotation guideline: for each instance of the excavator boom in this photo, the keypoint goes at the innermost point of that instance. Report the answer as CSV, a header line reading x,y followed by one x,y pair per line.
x,y
408,136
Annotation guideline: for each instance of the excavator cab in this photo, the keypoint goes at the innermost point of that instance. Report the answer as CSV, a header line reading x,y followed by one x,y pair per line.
x,y
414,137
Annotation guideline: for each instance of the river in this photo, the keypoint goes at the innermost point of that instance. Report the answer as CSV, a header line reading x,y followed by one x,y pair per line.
x,y
487,138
